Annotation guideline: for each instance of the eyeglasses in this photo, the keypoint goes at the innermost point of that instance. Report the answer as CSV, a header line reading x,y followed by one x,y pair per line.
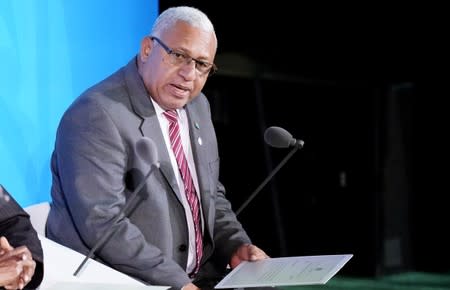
x,y
179,58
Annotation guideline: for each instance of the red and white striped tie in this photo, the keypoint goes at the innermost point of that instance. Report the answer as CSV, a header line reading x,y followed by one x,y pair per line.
x,y
191,195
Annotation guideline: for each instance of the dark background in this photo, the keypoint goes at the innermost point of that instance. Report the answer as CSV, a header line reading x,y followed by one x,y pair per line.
x,y
364,87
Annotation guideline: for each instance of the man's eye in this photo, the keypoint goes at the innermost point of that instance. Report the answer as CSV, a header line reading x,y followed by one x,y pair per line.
x,y
179,55
202,64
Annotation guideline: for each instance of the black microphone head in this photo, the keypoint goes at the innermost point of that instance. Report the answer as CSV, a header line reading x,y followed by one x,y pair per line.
x,y
146,150
278,137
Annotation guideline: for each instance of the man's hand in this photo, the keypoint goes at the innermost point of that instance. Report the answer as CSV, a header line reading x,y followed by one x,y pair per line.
x,y
190,286
247,252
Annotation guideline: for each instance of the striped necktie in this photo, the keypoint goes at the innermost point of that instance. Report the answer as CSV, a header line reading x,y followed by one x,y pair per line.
x,y
191,195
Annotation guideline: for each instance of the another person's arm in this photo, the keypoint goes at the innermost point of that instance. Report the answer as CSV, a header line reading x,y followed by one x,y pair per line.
x,y
20,242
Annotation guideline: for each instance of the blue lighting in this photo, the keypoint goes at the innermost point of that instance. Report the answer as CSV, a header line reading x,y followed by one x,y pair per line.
x,y
51,51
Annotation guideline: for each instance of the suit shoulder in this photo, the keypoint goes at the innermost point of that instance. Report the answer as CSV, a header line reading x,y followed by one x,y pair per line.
x,y
201,100
109,90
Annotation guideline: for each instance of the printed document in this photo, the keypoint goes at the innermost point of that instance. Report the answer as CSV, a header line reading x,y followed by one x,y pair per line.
x,y
285,271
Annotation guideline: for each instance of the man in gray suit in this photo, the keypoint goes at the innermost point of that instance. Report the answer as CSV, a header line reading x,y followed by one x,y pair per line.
x,y
96,166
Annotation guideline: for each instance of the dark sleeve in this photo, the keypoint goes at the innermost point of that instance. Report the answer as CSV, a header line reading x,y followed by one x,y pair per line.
x,y
16,226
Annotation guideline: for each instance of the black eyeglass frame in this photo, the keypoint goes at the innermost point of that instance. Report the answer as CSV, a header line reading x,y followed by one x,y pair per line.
x,y
212,70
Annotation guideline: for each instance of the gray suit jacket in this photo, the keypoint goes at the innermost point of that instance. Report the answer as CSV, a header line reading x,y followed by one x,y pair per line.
x,y
95,168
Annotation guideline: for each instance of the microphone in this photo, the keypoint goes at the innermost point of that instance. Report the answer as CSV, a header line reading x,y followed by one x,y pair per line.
x,y
146,150
279,138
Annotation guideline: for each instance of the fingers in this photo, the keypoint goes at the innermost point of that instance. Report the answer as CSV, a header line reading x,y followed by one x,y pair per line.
x,y
6,250
247,252
10,271
15,285
19,275
256,253
19,253
190,286
28,267
16,269
4,245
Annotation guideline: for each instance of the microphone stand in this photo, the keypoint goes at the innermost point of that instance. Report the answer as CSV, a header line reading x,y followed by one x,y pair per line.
x,y
111,230
298,144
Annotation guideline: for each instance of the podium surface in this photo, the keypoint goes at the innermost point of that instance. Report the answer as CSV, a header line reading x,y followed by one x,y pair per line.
x,y
60,262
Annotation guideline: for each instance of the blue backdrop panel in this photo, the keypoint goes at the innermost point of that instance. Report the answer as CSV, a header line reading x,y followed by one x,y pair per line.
x,y
51,51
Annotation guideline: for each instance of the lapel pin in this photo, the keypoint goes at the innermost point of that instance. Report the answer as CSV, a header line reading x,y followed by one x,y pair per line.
x,y
200,142
197,125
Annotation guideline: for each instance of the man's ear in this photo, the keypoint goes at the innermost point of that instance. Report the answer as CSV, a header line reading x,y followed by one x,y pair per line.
x,y
146,47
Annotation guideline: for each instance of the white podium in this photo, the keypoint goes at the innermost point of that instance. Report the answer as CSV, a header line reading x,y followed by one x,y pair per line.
x,y
60,263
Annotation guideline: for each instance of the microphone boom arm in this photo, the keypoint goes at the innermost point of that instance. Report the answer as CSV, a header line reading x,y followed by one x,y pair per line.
x,y
298,145
124,210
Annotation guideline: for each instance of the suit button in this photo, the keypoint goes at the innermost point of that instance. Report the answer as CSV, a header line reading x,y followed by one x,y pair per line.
x,y
182,248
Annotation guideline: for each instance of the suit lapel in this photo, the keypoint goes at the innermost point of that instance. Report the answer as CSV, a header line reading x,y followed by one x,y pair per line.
x,y
199,152
151,128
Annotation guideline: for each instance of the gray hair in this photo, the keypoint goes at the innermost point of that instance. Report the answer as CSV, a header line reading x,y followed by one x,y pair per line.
x,y
193,16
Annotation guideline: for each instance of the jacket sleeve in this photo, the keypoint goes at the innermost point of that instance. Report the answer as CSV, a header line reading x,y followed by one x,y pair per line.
x,y
16,226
